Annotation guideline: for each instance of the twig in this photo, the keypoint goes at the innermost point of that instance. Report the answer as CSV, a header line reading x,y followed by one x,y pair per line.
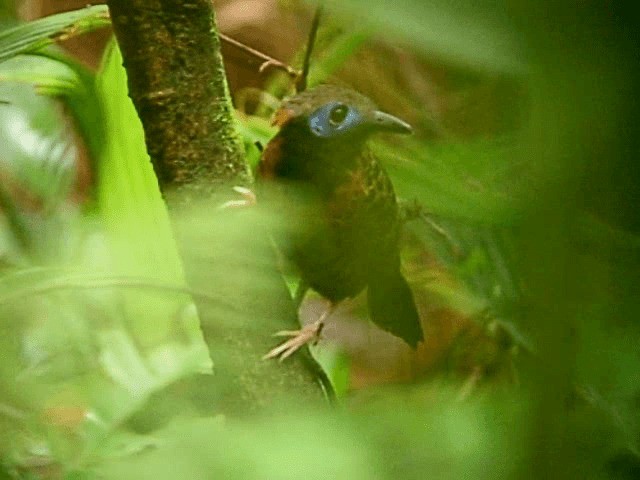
x,y
91,282
413,210
267,61
426,217
470,384
301,81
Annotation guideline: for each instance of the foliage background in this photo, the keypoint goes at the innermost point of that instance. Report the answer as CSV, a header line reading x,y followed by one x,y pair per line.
x,y
525,158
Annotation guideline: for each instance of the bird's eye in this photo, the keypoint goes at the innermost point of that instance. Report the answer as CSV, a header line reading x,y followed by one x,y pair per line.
x,y
333,120
338,114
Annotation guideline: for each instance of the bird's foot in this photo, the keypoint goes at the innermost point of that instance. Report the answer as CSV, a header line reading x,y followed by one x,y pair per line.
x,y
307,334
248,199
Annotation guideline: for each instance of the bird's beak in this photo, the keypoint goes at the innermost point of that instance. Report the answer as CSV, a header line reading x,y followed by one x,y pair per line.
x,y
388,123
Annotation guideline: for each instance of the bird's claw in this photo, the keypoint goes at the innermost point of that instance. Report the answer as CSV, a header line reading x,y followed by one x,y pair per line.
x,y
248,199
299,338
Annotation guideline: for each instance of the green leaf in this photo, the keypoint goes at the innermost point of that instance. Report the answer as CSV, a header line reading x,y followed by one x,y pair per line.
x,y
139,233
35,35
336,54
57,75
337,364
49,76
129,198
83,102
478,181
38,156
474,34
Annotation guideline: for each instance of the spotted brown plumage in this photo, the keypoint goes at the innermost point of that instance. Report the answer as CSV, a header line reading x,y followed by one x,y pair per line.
x,y
343,208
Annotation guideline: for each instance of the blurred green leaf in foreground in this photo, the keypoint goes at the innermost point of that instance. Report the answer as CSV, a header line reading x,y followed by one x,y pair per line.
x,y
96,322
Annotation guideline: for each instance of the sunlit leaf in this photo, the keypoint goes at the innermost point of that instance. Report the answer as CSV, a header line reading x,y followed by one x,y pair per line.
x,y
134,213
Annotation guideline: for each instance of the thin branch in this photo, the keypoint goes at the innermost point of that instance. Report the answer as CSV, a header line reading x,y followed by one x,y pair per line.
x,y
413,210
301,82
267,61
89,282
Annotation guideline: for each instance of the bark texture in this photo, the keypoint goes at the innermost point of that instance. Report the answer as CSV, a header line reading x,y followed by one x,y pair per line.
x,y
176,80
176,77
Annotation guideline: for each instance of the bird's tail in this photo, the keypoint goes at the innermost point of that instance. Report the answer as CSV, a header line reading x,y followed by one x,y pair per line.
x,y
392,307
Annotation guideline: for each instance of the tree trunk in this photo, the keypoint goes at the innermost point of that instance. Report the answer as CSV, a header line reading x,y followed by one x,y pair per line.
x,y
171,52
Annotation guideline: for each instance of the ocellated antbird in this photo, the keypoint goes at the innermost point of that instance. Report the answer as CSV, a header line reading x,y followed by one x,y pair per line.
x,y
344,208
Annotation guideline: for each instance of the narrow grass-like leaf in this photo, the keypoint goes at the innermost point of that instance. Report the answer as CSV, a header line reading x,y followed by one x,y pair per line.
x,y
336,54
35,35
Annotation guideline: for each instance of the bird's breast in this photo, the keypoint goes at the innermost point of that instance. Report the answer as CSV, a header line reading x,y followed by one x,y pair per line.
x,y
343,213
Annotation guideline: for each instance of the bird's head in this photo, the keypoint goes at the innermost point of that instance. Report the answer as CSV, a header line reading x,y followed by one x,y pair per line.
x,y
323,131
335,114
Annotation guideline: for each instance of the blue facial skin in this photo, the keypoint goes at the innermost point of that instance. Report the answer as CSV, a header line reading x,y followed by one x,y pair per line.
x,y
321,125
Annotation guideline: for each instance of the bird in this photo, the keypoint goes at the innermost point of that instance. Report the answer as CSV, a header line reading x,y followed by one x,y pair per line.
x,y
345,219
